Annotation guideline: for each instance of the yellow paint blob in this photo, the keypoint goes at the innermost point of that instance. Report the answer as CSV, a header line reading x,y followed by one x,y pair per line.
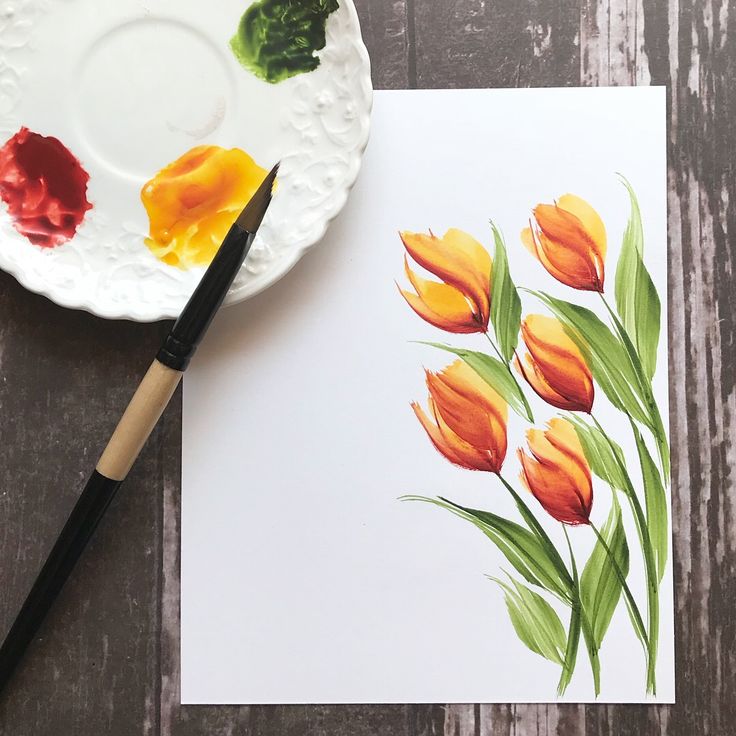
x,y
192,203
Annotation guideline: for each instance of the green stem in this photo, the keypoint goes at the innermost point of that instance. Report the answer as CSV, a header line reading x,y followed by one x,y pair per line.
x,y
538,529
635,613
496,350
649,564
595,662
652,583
507,363
569,581
658,430
573,634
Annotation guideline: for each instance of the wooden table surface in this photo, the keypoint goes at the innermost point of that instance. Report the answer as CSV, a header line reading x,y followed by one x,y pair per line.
x,y
107,661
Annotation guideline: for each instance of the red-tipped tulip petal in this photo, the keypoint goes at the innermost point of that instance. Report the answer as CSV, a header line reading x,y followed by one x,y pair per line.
x,y
554,367
569,239
556,472
464,266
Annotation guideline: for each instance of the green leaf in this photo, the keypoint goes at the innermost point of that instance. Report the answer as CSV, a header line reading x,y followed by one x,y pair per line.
x,y
536,623
599,453
595,662
573,634
600,584
518,545
656,505
505,302
496,375
605,355
655,423
637,300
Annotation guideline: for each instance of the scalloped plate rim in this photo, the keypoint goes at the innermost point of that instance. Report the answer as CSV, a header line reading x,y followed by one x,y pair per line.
x,y
149,313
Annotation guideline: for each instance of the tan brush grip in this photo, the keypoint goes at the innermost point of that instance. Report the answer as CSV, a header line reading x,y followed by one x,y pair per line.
x,y
141,416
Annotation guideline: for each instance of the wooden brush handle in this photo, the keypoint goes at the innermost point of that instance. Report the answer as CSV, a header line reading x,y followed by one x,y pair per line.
x,y
134,428
141,416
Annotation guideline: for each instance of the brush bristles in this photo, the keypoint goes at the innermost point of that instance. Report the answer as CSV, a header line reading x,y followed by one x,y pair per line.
x,y
252,216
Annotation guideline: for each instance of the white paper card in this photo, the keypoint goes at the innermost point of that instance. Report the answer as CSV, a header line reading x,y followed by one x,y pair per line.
x,y
304,578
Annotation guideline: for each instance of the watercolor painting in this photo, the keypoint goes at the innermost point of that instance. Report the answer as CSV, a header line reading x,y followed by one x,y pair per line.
x,y
44,187
569,356
193,202
279,39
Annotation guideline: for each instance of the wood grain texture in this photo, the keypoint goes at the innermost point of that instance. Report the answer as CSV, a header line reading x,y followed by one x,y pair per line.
x,y
65,375
108,660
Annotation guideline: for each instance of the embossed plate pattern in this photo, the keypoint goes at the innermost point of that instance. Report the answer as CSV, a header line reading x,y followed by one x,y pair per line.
x,y
129,87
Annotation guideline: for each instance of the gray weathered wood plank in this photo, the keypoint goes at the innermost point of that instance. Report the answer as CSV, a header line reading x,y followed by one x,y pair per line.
x,y
505,43
65,376
700,70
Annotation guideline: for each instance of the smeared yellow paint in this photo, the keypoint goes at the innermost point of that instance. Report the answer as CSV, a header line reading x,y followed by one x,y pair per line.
x,y
192,203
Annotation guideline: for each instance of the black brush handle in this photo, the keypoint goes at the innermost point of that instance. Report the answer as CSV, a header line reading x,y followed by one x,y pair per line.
x,y
77,531
190,328
134,428
139,419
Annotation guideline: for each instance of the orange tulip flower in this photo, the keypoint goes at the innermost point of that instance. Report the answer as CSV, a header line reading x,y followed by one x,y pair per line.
x,y
569,239
468,418
557,472
462,303
554,366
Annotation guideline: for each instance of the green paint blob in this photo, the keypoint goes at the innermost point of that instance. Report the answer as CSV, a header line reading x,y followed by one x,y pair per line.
x,y
278,39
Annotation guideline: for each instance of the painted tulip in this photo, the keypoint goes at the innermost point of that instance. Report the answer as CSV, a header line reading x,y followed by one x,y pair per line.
x,y
461,302
557,473
467,418
569,239
554,366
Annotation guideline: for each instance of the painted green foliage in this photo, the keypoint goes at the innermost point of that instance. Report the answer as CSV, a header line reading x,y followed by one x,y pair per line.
x,y
522,548
618,354
536,623
497,375
655,500
600,583
505,302
605,457
604,353
615,364
278,39
636,298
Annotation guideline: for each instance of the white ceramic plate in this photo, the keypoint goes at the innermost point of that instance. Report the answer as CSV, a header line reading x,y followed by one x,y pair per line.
x,y
129,86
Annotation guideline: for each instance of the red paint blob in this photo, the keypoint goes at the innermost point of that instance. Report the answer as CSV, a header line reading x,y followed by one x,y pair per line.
x,y
44,187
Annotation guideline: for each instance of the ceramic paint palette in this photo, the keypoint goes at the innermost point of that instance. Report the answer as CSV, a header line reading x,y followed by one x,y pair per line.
x,y
133,132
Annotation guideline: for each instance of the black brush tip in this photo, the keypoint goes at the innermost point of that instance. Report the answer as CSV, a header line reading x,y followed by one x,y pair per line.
x,y
251,217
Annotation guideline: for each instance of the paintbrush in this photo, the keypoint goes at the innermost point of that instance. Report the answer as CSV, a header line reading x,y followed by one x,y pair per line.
x,y
137,423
